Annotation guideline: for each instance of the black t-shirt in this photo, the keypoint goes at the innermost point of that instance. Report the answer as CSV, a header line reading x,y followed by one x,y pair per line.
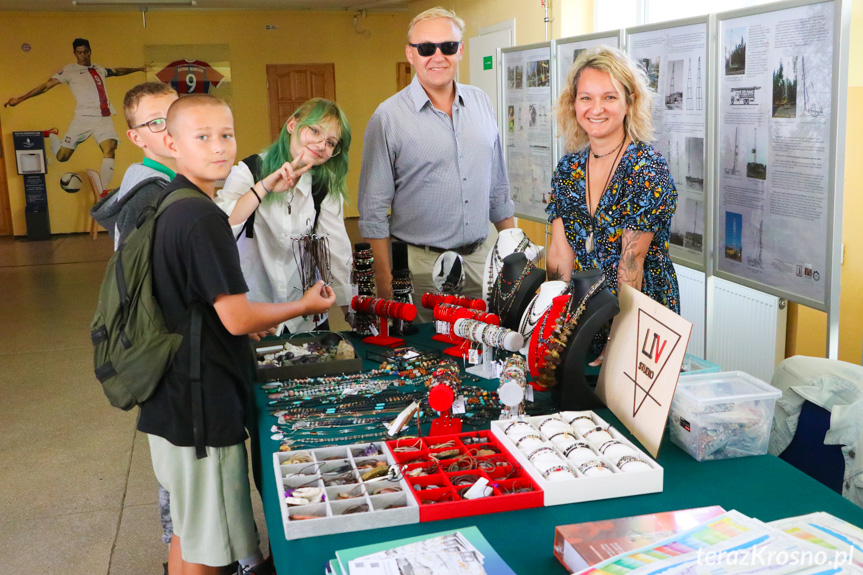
x,y
195,260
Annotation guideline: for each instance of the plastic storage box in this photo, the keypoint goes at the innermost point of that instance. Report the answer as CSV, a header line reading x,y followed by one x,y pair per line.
x,y
722,415
696,366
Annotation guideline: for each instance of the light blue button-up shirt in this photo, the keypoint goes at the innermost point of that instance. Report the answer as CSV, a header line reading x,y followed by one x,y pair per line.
x,y
836,386
443,178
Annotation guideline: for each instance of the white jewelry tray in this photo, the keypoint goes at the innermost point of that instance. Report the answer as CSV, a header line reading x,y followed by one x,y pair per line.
x,y
330,511
580,487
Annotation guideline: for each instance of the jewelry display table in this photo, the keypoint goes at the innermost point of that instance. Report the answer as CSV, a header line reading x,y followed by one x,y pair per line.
x,y
763,487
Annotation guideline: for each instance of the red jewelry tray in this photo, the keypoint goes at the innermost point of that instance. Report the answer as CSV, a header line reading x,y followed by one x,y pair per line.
x,y
438,492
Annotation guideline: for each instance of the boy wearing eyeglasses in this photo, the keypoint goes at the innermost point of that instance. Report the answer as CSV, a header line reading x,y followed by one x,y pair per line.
x,y
432,156
145,107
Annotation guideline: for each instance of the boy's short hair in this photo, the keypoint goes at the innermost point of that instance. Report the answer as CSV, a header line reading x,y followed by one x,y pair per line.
x,y
434,14
134,96
80,42
191,101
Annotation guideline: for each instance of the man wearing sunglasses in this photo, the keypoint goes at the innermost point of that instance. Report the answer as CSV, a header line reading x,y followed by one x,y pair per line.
x,y
432,157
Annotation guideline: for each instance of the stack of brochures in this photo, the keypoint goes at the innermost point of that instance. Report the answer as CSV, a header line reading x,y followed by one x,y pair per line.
x,y
729,543
459,552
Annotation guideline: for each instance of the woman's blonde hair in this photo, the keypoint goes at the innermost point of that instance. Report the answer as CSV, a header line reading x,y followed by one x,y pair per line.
x,y
638,122
434,14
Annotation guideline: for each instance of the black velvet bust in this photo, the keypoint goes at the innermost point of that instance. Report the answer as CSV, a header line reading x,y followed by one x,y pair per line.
x,y
511,270
574,391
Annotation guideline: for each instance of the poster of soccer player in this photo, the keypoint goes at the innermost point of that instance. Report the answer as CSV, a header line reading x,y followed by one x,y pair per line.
x,y
93,110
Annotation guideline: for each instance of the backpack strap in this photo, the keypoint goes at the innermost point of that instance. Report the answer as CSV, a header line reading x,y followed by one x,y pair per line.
x,y
174,196
319,192
195,381
195,328
253,162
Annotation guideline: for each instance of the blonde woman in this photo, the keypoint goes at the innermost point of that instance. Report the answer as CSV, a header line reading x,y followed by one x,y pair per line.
x,y
612,196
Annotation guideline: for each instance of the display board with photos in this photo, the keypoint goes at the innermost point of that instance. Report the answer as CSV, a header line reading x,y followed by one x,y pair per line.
x,y
566,50
527,126
778,124
674,56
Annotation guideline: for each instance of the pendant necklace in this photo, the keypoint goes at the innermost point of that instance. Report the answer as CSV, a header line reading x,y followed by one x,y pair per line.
x,y
588,244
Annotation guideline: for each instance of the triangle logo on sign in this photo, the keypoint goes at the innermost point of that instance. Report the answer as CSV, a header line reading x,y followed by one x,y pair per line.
x,y
655,343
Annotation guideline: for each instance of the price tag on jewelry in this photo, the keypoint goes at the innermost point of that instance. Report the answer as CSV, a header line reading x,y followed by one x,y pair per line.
x,y
350,391
528,392
441,327
410,355
473,356
355,290
458,406
496,369
374,330
478,489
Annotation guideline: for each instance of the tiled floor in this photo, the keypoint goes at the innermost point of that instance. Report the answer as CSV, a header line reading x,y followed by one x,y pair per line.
x,y
77,492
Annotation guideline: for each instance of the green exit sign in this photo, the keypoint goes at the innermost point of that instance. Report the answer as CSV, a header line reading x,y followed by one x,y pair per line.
x,y
487,62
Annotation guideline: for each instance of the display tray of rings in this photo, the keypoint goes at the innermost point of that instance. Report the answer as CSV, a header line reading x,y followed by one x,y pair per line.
x,y
576,456
462,475
341,489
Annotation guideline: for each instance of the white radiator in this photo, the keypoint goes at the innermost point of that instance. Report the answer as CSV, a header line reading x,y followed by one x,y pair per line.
x,y
692,294
745,329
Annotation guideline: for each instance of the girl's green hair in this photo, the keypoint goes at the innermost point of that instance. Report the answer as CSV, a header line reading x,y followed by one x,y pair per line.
x,y
333,172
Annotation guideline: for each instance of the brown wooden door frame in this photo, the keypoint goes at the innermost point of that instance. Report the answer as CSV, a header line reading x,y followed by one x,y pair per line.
x,y
289,85
404,75
5,208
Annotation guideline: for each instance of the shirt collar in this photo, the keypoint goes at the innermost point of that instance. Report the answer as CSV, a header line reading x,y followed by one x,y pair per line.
x,y
154,165
420,98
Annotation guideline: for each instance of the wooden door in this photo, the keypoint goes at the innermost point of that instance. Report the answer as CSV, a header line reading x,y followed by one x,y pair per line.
x,y
404,75
289,85
5,210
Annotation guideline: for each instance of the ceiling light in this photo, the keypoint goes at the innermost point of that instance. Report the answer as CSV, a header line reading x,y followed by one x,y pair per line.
x,y
134,3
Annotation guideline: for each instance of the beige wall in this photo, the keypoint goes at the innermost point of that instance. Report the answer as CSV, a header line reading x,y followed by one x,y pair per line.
x,y
365,76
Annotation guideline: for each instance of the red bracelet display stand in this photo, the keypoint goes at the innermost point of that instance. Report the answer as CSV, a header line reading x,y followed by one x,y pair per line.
x,y
441,398
433,300
385,309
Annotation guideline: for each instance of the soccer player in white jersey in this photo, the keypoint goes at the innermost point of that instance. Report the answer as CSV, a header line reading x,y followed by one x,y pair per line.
x,y
93,110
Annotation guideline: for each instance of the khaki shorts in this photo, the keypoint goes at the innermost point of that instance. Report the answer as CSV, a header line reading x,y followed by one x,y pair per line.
x,y
211,506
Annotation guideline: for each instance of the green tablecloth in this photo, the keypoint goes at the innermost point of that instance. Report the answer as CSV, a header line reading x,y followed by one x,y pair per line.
x,y
764,487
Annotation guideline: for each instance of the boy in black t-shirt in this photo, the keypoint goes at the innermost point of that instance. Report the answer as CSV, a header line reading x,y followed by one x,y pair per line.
x,y
195,261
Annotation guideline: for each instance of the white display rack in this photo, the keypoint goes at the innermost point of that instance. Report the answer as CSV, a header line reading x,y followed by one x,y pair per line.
x,y
327,517
574,486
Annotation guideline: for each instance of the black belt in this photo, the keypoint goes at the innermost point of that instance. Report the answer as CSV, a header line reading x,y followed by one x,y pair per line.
x,y
467,250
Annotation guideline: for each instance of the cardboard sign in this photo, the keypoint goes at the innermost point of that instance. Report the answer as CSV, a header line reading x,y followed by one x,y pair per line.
x,y
642,365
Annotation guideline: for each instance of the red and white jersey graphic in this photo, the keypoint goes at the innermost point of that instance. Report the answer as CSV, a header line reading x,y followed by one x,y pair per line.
x,y
190,76
88,86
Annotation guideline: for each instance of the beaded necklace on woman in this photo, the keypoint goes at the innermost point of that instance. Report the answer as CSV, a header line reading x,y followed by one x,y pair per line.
x,y
588,244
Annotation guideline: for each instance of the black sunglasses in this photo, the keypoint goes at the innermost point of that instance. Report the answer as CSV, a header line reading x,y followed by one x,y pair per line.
x,y
426,49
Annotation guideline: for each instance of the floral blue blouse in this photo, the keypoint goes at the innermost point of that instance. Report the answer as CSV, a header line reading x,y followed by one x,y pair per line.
x,y
641,196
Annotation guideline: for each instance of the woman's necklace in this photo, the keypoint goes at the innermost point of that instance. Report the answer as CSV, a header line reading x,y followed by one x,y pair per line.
x,y
500,300
588,244
497,262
